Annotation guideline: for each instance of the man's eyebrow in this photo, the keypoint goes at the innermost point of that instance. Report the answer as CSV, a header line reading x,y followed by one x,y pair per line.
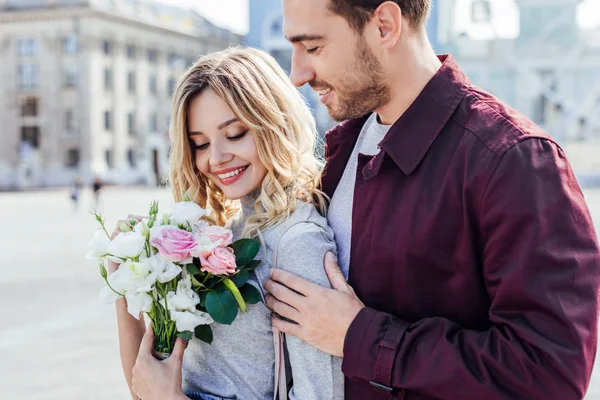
x,y
303,38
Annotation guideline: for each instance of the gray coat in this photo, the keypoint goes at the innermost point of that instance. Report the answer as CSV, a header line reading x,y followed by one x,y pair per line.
x,y
240,362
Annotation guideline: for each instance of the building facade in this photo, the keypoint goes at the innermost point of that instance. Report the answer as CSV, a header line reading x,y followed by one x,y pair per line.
x,y
85,87
265,32
550,72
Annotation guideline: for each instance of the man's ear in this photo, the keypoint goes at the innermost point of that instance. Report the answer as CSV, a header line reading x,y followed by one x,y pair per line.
x,y
388,19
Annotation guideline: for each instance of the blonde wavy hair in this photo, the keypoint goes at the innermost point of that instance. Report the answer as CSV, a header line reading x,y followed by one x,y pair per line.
x,y
261,96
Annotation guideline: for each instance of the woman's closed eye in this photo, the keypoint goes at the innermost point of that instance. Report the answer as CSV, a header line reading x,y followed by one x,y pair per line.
x,y
238,136
204,146
199,147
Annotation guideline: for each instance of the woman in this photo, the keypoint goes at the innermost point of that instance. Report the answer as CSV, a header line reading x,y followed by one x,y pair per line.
x,y
243,145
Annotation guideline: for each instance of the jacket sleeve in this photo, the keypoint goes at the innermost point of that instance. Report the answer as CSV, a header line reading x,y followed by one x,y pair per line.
x,y
316,375
541,268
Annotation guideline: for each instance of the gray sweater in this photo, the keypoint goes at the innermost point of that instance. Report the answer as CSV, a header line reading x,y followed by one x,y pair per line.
x,y
239,364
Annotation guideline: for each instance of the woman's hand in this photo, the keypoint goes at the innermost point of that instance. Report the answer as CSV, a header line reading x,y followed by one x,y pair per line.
x,y
154,379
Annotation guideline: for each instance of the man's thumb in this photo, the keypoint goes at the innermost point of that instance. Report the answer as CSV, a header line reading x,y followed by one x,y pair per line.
x,y
335,275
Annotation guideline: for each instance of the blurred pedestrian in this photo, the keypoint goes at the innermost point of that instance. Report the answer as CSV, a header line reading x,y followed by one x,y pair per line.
x,y
75,190
96,189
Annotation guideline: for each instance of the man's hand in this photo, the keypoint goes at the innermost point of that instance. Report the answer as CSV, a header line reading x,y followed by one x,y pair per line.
x,y
158,380
323,315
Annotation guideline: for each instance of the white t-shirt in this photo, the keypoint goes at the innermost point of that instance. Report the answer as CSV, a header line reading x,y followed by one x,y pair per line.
x,y
340,210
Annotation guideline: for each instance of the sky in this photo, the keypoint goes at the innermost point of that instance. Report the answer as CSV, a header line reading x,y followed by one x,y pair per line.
x,y
233,14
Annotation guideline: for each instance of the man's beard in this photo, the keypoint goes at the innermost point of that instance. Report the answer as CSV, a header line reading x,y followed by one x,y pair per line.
x,y
362,87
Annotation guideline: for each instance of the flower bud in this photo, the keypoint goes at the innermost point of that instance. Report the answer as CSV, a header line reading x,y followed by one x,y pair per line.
x,y
123,227
103,271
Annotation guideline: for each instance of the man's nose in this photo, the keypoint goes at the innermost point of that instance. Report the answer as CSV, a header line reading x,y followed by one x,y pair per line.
x,y
302,72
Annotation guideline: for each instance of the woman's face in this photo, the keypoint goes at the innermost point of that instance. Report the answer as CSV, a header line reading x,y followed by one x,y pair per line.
x,y
224,148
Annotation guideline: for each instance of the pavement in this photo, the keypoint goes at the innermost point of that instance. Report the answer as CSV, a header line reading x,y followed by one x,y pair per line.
x,y
57,340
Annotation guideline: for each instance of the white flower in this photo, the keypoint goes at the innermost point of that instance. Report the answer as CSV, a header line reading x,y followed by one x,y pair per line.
x,y
141,228
189,320
98,247
198,226
182,307
138,303
205,246
165,270
107,295
127,245
135,277
186,212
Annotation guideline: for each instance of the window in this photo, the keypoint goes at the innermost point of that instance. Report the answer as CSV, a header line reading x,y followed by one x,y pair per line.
x,y
108,79
29,107
153,123
171,86
108,158
175,60
70,77
27,47
152,56
31,135
276,27
107,47
152,83
28,75
69,121
131,52
131,82
107,120
131,157
131,123
72,158
70,44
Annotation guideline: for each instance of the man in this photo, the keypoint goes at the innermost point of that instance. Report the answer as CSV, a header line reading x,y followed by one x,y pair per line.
x,y
462,226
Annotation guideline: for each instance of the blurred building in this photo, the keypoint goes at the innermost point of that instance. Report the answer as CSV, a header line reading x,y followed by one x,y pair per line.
x,y
85,87
265,32
550,72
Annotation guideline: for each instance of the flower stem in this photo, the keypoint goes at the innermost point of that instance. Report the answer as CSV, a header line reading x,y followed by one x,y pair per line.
x,y
236,294
111,288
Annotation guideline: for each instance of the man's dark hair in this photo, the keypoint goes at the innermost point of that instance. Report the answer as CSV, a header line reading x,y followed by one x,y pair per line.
x,y
358,12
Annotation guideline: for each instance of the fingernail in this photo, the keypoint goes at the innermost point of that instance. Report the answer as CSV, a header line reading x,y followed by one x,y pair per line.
x,y
330,257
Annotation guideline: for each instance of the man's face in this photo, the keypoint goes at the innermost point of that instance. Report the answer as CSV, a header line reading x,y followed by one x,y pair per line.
x,y
334,59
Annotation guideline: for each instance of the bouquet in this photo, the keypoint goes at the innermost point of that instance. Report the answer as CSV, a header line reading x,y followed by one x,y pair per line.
x,y
182,272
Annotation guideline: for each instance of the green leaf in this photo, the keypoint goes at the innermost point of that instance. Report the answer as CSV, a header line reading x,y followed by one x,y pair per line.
x,y
202,305
240,277
245,250
192,269
251,265
221,306
250,294
204,333
186,335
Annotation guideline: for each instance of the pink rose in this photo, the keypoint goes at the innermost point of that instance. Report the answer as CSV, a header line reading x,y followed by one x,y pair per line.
x,y
221,261
218,235
174,244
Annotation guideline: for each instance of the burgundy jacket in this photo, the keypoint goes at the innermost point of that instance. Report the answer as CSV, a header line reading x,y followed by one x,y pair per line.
x,y
474,252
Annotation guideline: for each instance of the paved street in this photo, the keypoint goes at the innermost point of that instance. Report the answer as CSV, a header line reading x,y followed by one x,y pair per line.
x,y
57,341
